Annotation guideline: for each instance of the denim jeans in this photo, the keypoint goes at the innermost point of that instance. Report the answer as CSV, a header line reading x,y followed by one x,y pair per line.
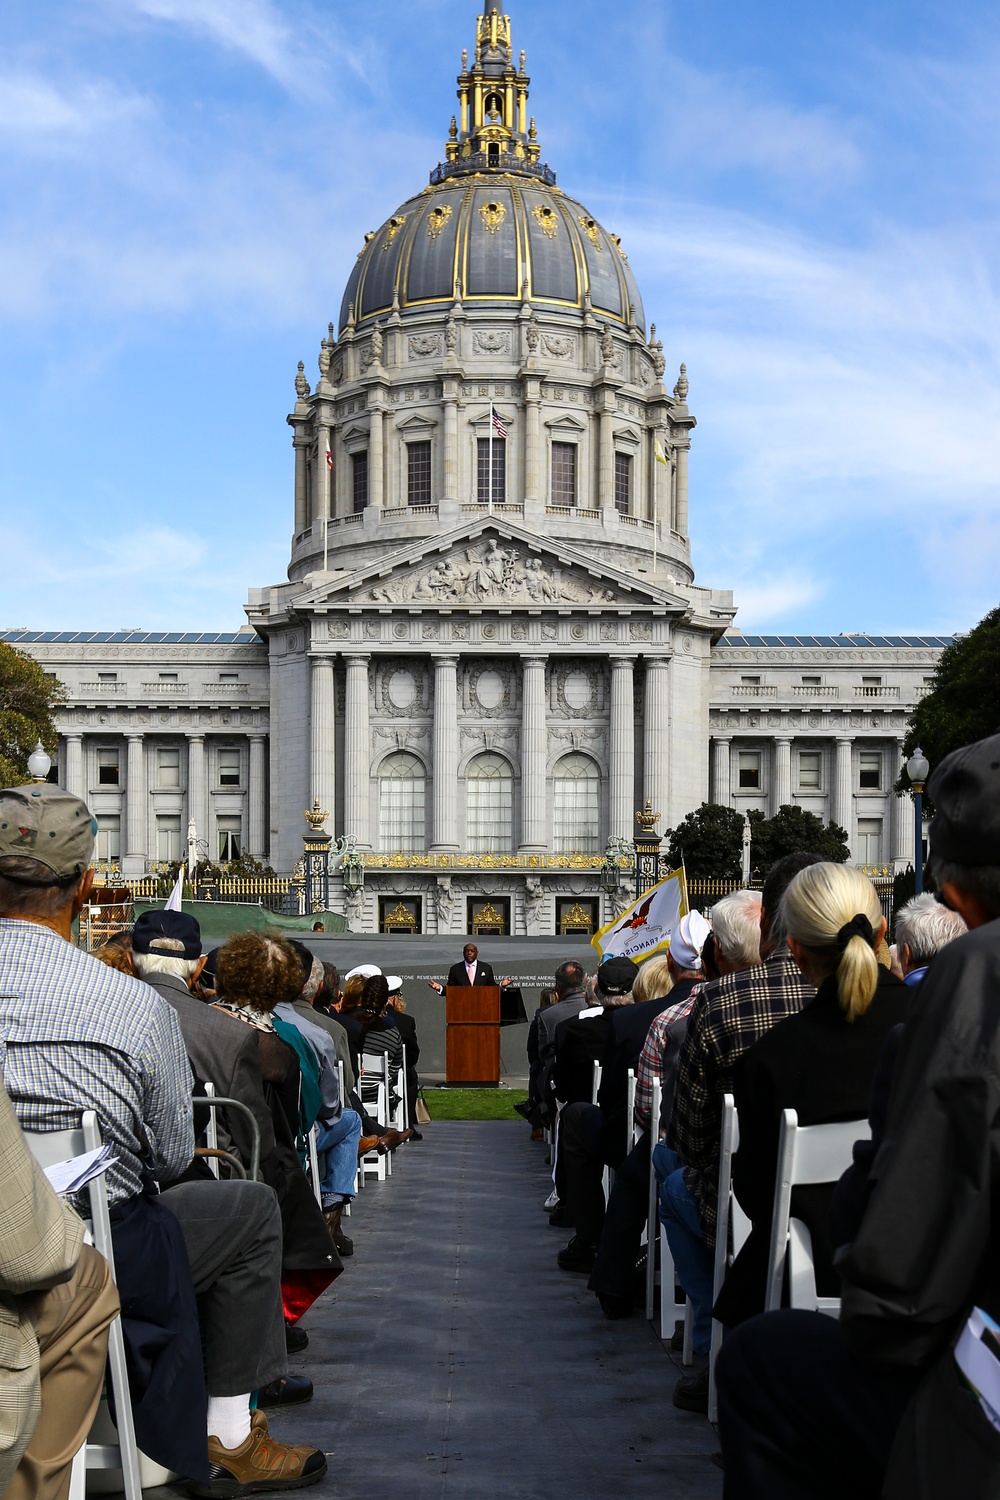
x,y
665,1161
693,1261
339,1146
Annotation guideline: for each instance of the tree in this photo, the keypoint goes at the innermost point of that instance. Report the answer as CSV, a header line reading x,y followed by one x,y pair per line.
x,y
27,698
963,704
792,830
709,843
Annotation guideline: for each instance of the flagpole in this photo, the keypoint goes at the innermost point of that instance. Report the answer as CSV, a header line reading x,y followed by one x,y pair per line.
x,y
656,508
490,478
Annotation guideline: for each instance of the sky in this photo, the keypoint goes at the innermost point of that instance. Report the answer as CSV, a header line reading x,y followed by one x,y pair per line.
x,y
807,194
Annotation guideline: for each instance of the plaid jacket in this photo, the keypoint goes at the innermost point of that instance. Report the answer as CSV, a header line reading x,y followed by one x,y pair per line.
x,y
653,1056
729,1015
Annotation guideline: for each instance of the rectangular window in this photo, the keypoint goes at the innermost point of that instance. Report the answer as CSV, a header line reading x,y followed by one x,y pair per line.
x,y
230,833
563,473
499,494
400,914
749,769
107,676
229,767
871,682
623,482
810,764
870,773
750,681
168,769
870,841
107,768
810,682
168,837
168,676
109,838
359,480
418,474
229,676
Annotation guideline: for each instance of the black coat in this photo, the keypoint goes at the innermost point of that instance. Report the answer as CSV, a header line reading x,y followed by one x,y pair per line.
x,y
822,1066
579,1044
407,1028
484,973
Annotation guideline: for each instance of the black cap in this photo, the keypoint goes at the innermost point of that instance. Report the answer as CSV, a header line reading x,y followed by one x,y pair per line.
x,y
965,790
616,976
172,934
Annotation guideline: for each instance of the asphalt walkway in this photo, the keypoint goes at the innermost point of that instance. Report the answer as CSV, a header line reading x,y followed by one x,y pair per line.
x,y
453,1358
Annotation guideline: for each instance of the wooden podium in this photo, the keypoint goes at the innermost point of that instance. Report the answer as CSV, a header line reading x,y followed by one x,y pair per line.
x,y
473,1016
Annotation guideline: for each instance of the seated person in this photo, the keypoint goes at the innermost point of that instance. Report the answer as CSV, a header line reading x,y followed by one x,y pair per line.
x,y
166,948
570,998
404,1023
923,927
321,984
355,1015
80,1036
579,1040
57,1300
820,1062
728,1017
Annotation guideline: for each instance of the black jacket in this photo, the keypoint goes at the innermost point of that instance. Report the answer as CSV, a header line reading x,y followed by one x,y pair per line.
x,y
484,973
822,1066
579,1044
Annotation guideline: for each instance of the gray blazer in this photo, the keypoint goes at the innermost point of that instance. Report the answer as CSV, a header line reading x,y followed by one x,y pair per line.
x,y
549,1018
223,1052
336,1033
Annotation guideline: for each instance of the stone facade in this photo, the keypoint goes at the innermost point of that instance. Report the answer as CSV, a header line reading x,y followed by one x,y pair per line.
x,y
490,649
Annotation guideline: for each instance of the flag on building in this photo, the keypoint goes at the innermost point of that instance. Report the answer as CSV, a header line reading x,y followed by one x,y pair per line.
x,y
659,454
501,430
176,895
648,924
329,459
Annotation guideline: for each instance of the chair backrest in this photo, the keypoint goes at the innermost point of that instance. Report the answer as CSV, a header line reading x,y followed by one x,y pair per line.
x,y
596,1084
59,1145
807,1155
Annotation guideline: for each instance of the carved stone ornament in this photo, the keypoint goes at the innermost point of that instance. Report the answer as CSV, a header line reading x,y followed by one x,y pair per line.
x,y
301,383
392,229
607,346
491,341
493,215
437,219
424,345
377,344
616,241
451,336
547,218
590,229
558,346
487,571
532,335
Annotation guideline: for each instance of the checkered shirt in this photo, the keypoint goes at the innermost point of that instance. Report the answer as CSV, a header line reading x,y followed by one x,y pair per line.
x,y
728,1017
76,1035
653,1056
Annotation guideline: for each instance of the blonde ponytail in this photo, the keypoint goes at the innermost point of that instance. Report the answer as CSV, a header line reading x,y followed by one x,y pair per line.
x,y
834,912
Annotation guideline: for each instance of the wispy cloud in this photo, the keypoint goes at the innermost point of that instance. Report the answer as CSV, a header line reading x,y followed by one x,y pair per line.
x,y
254,28
33,106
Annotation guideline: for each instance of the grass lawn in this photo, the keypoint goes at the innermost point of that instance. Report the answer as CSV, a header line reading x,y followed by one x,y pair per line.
x,y
474,1104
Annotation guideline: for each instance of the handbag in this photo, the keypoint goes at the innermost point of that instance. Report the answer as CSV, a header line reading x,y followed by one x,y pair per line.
x,y
421,1113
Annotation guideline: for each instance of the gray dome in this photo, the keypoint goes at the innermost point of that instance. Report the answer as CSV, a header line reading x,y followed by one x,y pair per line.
x,y
494,237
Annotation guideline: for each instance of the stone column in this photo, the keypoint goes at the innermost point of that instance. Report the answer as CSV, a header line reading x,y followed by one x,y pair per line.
x,y
902,830
781,788
534,823
444,832
681,458
841,800
376,460
621,799
722,781
300,443
135,805
656,745
197,797
449,490
534,489
357,752
74,767
606,473
322,509
322,765
256,799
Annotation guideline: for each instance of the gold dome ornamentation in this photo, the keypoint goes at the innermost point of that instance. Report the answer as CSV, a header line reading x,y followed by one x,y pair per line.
x,y
590,228
393,228
493,215
437,219
547,219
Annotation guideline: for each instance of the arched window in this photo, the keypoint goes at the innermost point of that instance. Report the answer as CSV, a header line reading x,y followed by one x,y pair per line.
x,y
401,803
576,806
488,797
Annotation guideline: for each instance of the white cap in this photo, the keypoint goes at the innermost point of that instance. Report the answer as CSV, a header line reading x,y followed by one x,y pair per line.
x,y
688,940
395,983
365,970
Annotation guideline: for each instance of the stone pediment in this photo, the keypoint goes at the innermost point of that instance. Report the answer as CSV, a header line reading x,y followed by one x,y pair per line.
x,y
492,564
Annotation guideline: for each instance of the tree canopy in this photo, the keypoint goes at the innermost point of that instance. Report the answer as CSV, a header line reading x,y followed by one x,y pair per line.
x,y
27,698
792,830
709,842
963,704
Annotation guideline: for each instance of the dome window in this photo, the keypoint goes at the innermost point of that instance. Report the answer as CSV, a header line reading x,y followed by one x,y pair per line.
x,y
392,229
493,152
547,218
590,228
492,215
437,219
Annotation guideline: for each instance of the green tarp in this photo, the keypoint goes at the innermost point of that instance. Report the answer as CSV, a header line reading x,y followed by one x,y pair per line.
x,y
218,919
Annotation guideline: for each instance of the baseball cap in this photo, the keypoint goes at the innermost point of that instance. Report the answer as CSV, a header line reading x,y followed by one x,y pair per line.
x,y
365,970
172,934
688,939
965,790
44,823
616,976
395,983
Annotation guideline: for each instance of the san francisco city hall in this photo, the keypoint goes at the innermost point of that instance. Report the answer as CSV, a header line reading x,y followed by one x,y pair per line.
x,y
490,649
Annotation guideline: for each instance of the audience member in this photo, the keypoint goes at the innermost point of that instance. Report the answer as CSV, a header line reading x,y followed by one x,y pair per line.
x,y
568,986
819,1062
729,1015
80,1036
812,1407
320,984
115,957
923,928
56,1302
355,1015
579,1040
407,1028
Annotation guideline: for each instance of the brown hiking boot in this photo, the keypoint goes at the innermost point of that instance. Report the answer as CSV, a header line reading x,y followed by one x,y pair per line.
x,y
367,1143
258,1465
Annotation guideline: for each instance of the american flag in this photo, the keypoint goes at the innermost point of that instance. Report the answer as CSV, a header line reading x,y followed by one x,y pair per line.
x,y
501,430
329,459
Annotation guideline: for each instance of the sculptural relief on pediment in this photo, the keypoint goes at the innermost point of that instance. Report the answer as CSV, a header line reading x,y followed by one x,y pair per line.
x,y
488,572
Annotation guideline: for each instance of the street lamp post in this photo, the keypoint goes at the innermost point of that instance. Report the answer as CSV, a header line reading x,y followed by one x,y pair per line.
x,y
918,769
647,849
39,763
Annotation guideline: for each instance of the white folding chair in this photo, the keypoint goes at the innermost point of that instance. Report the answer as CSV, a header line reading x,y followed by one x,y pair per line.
x,y
807,1155
729,1216
673,1310
359,1180
373,1090
47,1149
404,1100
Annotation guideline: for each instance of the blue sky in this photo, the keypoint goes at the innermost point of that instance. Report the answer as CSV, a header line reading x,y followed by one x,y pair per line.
x,y
807,193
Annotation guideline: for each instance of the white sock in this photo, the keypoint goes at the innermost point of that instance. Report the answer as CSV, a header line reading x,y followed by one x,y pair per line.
x,y
229,1419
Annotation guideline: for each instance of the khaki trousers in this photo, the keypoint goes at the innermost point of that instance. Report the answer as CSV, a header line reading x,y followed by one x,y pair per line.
x,y
73,1324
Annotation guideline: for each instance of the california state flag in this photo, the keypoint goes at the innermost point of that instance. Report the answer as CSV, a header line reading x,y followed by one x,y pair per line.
x,y
648,924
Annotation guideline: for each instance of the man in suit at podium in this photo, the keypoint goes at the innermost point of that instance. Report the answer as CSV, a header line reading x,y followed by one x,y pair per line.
x,y
470,971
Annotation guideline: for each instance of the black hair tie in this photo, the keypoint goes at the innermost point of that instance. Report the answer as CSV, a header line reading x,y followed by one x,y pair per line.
x,y
858,926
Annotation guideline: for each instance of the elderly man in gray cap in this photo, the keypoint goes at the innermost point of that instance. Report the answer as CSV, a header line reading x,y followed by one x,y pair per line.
x,y
875,1404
